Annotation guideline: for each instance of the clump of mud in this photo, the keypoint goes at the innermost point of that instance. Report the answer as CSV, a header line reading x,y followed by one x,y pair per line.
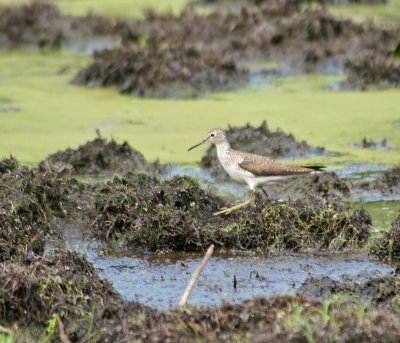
x,y
29,25
258,140
177,214
8,165
278,319
376,70
378,291
326,185
387,245
35,288
100,157
387,184
29,200
173,70
40,24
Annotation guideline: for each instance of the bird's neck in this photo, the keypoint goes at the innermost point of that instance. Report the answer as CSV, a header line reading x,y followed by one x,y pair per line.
x,y
222,149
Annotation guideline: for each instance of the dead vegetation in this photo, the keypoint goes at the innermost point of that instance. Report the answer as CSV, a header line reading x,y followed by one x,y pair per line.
x,y
387,245
177,215
100,157
28,201
167,70
387,184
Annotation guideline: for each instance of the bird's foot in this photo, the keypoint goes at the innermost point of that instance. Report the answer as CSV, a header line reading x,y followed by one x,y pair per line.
x,y
226,211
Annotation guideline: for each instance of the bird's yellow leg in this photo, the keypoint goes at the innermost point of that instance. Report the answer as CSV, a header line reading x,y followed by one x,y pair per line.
x,y
229,210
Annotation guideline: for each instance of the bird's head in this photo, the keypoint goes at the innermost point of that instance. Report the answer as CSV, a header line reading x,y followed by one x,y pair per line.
x,y
215,136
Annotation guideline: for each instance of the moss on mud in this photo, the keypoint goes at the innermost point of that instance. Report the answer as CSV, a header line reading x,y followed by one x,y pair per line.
x,y
99,157
387,245
178,215
387,184
162,71
34,288
28,201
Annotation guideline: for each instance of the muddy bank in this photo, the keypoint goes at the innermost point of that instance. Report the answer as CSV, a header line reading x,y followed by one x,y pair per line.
x,y
8,165
40,24
326,185
66,286
34,288
100,157
378,291
387,245
258,140
169,70
379,71
29,203
178,215
388,184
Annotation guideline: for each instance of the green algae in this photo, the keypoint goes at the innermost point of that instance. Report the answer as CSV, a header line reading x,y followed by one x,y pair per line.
x,y
383,14
383,213
54,115
115,8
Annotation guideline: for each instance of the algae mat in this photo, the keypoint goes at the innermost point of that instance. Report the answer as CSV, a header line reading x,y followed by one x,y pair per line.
x,y
41,112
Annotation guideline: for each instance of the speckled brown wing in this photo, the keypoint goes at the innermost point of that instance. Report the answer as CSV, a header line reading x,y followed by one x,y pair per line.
x,y
264,166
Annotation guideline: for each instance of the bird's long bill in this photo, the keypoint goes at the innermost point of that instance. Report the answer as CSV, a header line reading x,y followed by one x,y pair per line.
x,y
196,145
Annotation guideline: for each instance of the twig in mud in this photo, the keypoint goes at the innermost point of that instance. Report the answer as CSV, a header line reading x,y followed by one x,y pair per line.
x,y
63,336
195,276
5,330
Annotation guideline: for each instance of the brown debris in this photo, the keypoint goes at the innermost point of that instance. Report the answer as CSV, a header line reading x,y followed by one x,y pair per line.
x,y
100,157
372,70
163,71
177,215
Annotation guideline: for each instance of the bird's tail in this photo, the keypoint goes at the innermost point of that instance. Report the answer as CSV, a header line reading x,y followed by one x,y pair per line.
x,y
315,168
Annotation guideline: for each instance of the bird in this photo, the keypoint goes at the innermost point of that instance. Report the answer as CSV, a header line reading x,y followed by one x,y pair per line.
x,y
252,169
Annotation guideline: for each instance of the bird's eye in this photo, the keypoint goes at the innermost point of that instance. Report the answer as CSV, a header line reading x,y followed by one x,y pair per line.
x,y
212,135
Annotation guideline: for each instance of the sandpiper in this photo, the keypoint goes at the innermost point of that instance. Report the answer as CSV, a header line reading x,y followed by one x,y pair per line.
x,y
250,168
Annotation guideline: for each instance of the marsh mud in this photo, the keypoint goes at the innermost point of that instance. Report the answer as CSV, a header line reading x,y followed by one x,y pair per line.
x,y
385,187
164,55
387,245
166,70
379,290
259,140
43,214
30,205
378,70
255,275
40,24
177,215
100,157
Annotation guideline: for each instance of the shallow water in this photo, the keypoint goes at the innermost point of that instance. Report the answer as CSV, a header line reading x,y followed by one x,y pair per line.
x,y
159,280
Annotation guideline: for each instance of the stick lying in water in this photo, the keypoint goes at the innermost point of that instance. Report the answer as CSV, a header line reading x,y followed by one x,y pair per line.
x,y
195,276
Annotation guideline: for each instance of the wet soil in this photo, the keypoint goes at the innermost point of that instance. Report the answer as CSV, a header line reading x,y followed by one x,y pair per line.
x,y
387,245
40,24
164,71
372,70
381,290
190,54
65,288
326,185
33,288
178,215
100,157
8,165
255,275
258,140
387,185
29,202
39,285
